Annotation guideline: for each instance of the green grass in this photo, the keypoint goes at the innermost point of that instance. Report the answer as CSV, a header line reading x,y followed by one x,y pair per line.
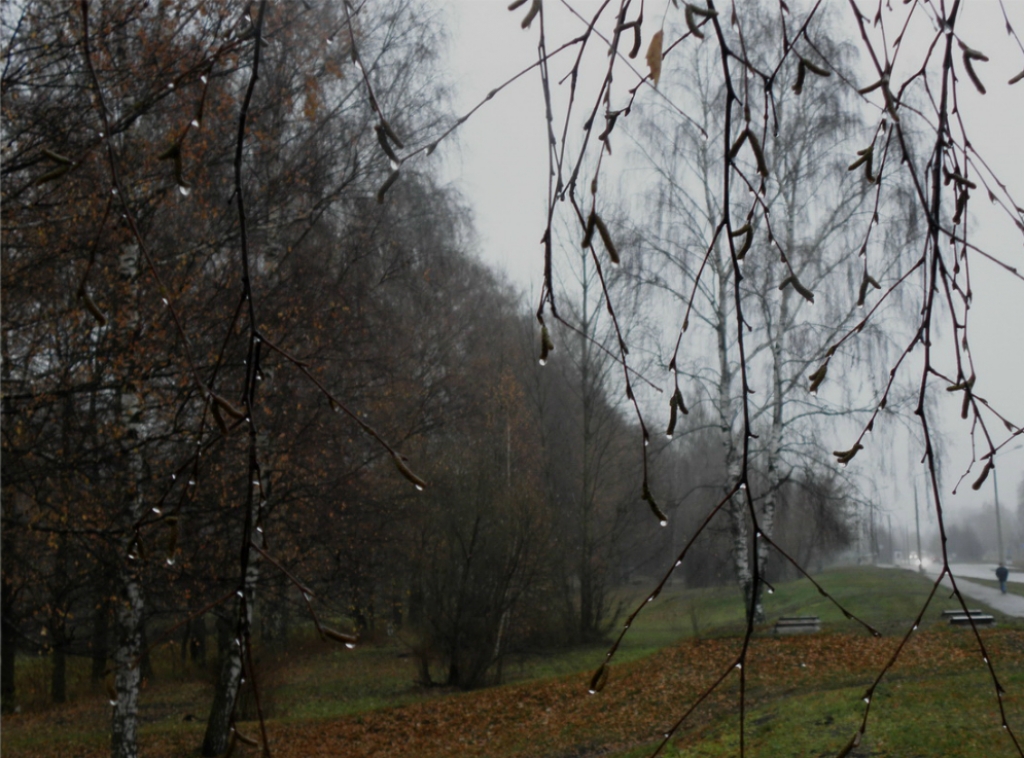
x,y
889,600
374,675
334,682
314,681
946,715
914,716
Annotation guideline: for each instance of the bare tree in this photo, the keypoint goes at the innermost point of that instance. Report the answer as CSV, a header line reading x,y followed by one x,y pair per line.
x,y
590,471
812,215
751,88
99,159
92,171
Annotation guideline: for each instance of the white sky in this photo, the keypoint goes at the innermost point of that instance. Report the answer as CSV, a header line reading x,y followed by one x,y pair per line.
x,y
501,169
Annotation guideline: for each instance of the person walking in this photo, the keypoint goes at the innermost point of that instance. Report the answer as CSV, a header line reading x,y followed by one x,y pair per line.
x,y
1002,573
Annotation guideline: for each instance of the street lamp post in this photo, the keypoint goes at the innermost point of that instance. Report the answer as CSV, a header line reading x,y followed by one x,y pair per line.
x,y
999,522
917,524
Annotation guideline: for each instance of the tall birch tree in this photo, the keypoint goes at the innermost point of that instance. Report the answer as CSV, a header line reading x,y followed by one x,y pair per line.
x,y
799,273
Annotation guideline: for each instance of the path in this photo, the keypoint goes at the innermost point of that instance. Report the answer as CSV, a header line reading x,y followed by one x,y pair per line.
x,y
1008,604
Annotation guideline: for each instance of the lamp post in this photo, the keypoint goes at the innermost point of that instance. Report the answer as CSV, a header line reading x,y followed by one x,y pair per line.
x,y
999,522
917,524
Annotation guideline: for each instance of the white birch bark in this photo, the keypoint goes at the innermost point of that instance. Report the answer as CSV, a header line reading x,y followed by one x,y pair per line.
x,y
736,508
218,725
130,605
774,476
128,676
128,614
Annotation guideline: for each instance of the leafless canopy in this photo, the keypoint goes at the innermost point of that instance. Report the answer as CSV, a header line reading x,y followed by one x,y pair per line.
x,y
919,75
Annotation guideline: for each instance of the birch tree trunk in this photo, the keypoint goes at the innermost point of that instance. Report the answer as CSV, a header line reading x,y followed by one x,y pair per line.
x,y
737,511
218,725
128,676
773,473
130,604
8,646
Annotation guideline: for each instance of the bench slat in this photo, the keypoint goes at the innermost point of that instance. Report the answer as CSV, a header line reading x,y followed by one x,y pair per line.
x,y
982,619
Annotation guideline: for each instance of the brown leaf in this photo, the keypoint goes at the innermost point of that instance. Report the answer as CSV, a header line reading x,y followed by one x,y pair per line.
x,y
654,56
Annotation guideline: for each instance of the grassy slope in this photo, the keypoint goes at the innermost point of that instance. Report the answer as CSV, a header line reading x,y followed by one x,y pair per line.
x,y
804,692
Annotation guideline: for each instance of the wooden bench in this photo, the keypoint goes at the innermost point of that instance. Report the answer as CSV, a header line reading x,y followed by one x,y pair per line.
x,y
797,625
979,619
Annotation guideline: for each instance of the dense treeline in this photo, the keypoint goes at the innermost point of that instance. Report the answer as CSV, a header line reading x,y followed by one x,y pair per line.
x,y
169,403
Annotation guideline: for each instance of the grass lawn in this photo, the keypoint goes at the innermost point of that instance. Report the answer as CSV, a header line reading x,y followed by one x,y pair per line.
x,y
949,715
803,693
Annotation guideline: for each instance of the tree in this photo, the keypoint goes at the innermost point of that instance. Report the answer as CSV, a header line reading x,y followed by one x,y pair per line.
x,y
908,94
171,369
161,359
590,472
480,540
810,225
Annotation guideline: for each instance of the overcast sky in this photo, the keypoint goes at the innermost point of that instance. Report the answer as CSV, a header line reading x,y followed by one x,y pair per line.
x,y
501,168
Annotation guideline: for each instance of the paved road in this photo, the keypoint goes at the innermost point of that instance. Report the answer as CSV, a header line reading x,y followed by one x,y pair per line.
x,y
981,571
1008,604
